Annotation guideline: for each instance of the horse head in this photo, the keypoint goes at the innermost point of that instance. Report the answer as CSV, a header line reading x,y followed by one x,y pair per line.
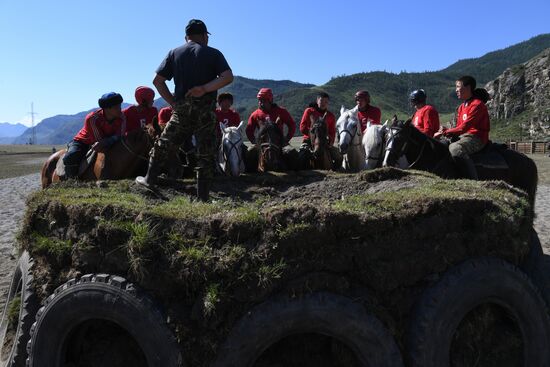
x,y
348,128
230,156
270,143
373,144
318,135
397,139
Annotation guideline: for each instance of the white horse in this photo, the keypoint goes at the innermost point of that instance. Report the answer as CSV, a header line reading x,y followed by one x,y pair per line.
x,y
230,154
350,140
374,144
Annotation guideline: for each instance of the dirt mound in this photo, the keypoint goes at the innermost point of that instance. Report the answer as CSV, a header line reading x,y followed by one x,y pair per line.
x,y
379,236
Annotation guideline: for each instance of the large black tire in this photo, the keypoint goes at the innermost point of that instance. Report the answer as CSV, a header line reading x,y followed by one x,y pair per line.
x,y
537,267
463,288
100,297
20,286
320,313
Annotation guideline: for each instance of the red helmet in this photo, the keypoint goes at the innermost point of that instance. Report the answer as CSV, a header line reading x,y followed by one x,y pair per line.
x,y
362,94
265,93
144,94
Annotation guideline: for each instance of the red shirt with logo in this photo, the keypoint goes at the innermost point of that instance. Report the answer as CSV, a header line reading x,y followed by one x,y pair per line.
x,y
97,128
426,119
164,116
136,119
472,118
330,120
229,118
257,117
371,113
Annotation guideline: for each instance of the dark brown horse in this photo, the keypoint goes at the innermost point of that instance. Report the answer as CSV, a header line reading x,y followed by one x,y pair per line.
x,y
427,154
318,135
269,145
127,158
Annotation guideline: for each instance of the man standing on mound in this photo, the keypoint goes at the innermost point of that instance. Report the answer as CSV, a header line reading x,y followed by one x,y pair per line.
x,y
198,71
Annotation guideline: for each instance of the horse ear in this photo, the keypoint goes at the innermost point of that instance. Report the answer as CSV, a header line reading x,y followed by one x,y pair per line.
x,y
222,127
408,122
240,126
386,123
342,110
278,120
312,119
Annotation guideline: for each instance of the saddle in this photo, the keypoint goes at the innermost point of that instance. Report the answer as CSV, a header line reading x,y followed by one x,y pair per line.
x,y
490,163
89,160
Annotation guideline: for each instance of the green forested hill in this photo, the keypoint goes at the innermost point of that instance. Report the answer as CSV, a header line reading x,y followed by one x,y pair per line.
x,y
390,91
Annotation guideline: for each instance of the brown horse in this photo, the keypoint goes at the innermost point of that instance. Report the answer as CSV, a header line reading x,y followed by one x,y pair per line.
x,y
269,145
318,135
127,158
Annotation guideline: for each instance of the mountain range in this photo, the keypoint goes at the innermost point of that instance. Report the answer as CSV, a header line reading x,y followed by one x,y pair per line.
x,y
389,91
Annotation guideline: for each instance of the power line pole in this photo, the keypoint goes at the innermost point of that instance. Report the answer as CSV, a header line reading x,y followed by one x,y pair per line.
x,y
33,137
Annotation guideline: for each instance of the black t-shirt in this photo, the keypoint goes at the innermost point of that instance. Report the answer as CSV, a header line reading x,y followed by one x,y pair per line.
x,y
192,65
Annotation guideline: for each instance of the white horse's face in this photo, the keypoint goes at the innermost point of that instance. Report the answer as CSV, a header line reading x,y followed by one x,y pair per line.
x,y
347,127
373,143
230,156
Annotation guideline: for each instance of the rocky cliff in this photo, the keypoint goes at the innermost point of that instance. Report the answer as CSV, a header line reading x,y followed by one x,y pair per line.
x,y
522,93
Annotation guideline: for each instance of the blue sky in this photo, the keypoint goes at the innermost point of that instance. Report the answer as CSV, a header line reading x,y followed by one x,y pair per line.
x,y
62,55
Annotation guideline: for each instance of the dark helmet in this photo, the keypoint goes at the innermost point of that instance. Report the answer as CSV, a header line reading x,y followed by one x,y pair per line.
x,y
110,99
418,96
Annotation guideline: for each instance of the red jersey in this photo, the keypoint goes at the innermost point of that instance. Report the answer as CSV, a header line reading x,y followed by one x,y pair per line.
x,y
97,128
165,114
258,116
136,119
472,118
371,113
330,120
426,119
229,118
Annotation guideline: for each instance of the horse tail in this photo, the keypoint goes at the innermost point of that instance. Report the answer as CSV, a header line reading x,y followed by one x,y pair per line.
x,y
49,167
523,173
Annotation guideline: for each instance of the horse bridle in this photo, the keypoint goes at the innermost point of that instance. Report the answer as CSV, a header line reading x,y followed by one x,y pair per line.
x,y
404,147
132,152
233,146
352,135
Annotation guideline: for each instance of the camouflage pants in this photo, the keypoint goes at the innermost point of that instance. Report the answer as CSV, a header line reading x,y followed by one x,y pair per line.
x,y
467,144
192,116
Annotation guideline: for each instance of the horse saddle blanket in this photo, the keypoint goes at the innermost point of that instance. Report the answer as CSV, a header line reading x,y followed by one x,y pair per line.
x,y
490,161
84,164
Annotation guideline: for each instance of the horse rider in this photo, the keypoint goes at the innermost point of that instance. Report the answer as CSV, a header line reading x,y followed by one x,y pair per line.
x,y
142,114
225,114
228,116
318,110
198,71
472,127
269,111
366,112
426,117
102,128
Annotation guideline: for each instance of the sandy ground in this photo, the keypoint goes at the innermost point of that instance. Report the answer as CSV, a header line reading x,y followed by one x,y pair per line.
x,y
13,192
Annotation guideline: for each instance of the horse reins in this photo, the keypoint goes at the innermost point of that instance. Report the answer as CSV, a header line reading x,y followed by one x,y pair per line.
x,y
233,147
132,152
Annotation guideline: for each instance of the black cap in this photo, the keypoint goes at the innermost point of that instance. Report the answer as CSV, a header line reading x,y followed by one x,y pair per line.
x,y
195,26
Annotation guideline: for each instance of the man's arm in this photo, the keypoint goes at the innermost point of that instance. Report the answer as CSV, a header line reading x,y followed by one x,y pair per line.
x,y
160,83
225,78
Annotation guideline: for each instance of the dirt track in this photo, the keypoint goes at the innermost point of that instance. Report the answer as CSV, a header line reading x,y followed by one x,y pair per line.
x,y
13,192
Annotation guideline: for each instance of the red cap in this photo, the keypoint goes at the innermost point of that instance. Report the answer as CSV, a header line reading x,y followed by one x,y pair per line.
x,y
144,94
265,93
164,115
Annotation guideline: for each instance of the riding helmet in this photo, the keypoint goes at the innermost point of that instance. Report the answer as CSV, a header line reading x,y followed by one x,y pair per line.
x,y
418,96
110,99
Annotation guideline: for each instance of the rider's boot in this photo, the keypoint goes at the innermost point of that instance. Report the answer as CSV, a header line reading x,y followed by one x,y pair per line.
x,y
466,167
203,189
150,178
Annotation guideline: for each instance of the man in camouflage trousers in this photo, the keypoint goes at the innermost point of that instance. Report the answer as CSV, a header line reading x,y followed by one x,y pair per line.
x,y
198,72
